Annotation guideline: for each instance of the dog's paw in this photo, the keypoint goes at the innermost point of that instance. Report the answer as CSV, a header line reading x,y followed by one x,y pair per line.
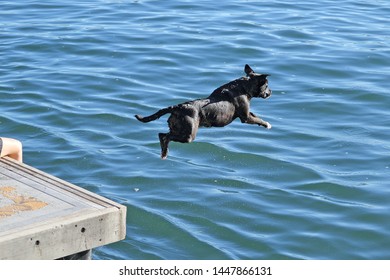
x,y
164,154
268,125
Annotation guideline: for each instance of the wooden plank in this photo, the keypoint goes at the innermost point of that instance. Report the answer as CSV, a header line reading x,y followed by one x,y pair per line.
x,y
44,217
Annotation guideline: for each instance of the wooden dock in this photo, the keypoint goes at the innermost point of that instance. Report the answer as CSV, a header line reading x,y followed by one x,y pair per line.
x,y
43,217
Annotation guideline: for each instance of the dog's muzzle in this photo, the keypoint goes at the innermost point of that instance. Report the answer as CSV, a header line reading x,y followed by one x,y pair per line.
x,y
267,94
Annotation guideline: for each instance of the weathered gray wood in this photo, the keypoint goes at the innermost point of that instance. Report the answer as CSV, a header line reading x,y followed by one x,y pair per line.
x,y
44,217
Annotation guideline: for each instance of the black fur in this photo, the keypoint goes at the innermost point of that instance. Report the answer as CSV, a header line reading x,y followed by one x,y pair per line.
x,y
225,104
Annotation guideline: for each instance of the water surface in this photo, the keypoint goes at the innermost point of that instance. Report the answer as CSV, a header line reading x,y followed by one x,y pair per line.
x,y
315,186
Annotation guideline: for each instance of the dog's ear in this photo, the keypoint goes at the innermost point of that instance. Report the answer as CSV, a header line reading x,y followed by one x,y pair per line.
x,y
248,70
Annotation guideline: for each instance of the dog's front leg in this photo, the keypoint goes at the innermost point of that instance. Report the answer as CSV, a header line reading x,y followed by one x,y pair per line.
x,y
253,119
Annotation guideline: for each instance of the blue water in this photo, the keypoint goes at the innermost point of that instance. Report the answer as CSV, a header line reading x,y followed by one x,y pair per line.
x,y
315,186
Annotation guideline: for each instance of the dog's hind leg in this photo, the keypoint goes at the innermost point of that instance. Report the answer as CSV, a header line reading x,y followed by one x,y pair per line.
x,y
182,128
165,138
185,130
164,141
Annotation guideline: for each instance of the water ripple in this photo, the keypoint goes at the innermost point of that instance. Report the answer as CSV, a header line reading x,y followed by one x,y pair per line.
x,y
74,74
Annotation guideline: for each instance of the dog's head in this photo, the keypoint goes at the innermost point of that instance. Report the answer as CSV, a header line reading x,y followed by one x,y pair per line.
x,y
258,83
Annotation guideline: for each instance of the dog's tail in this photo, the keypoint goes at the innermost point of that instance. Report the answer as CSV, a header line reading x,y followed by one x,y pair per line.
x,y
156,115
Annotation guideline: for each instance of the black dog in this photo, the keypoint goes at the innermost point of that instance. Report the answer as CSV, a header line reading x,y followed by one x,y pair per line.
x,y
225,104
